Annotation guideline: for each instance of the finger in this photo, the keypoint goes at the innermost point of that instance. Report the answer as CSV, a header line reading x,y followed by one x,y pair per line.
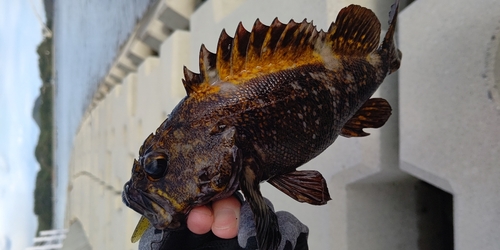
x,y
226,215
200,220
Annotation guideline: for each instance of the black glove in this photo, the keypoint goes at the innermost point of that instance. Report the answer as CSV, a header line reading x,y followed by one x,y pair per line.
x,y
293,235
293,232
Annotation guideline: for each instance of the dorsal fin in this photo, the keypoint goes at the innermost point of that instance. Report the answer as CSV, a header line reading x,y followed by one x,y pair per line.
x,y
355,32
269,49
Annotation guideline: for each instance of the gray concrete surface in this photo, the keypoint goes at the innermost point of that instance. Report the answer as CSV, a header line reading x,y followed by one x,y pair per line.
x,y
76,239
449,118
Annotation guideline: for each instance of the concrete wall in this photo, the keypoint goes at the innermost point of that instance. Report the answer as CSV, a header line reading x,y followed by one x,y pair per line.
x,y
450,115
445,131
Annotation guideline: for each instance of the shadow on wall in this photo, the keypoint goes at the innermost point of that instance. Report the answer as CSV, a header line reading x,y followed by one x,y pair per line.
x,y
404,214
435,217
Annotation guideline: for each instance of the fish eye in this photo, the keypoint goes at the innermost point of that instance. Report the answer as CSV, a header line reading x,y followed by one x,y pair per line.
x,y
156,165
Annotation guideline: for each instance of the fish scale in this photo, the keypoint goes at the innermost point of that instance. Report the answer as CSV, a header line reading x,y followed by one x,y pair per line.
x,y
288,120
265,103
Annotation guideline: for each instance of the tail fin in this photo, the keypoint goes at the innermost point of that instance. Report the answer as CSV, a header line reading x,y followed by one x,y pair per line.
x,y
388,45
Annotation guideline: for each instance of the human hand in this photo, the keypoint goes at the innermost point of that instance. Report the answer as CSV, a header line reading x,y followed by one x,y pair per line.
x,y
221,217
213,226
216,226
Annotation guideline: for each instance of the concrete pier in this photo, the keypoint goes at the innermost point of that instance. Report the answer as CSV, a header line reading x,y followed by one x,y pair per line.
x,y
427,180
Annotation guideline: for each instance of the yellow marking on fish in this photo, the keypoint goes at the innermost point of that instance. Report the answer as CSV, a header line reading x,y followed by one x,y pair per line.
x,y
282,60
172,201
204,90
161,211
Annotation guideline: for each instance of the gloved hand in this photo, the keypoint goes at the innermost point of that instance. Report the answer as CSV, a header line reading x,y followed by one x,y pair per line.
x,y
293,232
293,235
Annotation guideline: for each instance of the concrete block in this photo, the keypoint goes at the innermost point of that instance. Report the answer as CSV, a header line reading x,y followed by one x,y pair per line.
x,y
118,147
173,56
138,52
175,13
133,125
183,7
117,74
76,238
149,110
493,67
222,8
155,34
125,68
376,221
449,121
125,64
130,88
147,67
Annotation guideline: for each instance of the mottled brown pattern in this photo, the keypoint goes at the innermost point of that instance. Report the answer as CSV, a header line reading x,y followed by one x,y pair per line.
x,y
267,102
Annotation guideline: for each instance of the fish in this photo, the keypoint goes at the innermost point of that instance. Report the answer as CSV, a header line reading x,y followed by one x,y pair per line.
x,y
268,101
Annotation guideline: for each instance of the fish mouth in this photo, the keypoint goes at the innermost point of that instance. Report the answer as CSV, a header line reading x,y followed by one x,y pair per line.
x,y
146,205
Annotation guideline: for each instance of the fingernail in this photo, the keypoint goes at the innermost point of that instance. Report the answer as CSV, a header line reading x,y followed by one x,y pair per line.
x,y
225,218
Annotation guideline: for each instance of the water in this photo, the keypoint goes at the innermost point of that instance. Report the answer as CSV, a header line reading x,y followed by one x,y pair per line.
x,y
87,37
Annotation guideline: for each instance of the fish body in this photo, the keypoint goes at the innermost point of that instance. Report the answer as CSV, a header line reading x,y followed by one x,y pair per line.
x,y
267,102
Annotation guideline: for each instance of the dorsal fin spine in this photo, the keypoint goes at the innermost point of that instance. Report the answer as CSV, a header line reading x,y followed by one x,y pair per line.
x,y
287,35
202,64
306,30
272,36
223,54
208,70
191,80
256,41
239,49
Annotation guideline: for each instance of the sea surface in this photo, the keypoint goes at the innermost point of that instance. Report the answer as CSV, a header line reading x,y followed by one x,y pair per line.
x,y
87,37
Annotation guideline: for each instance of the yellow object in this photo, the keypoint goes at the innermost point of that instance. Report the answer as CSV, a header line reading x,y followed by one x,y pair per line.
x,y
141,227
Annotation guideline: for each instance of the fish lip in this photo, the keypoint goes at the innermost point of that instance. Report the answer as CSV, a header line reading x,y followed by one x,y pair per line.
x,y
145,205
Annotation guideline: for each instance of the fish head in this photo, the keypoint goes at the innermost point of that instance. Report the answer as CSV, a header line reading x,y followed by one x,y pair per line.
x,y
180,167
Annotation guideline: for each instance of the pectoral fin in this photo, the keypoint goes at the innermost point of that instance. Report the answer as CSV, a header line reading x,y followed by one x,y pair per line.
x,y
266,222
304,186
373,114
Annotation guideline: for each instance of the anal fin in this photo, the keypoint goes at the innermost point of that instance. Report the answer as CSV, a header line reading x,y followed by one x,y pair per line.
x,y
373,114
304,186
